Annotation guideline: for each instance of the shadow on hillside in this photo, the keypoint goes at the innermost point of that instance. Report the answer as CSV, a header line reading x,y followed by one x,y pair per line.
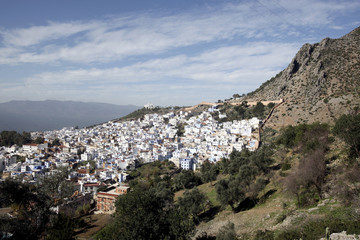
x,y
267,195
84,227
275,167
209,214
249,203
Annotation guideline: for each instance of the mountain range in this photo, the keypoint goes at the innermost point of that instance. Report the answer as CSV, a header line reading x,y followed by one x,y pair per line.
x,y
321,83
50,114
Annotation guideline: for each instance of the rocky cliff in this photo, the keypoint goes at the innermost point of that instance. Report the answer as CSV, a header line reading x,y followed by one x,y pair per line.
x,y
321,83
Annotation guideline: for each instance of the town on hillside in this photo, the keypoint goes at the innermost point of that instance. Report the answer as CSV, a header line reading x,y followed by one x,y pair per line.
x,y
112,148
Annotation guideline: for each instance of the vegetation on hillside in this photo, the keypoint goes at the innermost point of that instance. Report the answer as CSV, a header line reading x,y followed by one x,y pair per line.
x,y
32,205
306,166
143,111
9,138
243,111
298,164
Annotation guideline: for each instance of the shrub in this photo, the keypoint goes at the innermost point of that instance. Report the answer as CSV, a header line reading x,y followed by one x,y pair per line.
x,y
264,235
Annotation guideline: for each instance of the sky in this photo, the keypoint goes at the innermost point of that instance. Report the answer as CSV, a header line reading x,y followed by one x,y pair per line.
x,y
164,52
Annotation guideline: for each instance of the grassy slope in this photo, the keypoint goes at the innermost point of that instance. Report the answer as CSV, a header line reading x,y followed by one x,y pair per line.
x,y
277,212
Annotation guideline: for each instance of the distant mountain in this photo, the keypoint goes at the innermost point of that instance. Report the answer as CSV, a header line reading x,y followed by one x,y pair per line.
x,y
50,115
321,83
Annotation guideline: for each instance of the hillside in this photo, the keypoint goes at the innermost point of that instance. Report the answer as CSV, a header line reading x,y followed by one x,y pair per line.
x,y
321,83
49,115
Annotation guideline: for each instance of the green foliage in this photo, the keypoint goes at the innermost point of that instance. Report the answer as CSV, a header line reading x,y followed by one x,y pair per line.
x,y
163,191
227,232
244,168
338,220
9,138
270,105
56,185
229,192
39,140
82,210
205,236
186,179
152,173
308,178
264,235
237,159
348,176
142,214
180,130
285,165
244,111
20,158
193,202
347,127
262,158
84,163
312,141
307,136
259,110
208,171
56,142
62,228
32,208
287,137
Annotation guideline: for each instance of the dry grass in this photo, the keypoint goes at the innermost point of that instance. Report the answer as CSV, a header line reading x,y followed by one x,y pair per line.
x,y
95,223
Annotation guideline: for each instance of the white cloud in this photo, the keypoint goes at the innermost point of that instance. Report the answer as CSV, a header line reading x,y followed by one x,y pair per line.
x,y
114,38
38,34
218,71
199,54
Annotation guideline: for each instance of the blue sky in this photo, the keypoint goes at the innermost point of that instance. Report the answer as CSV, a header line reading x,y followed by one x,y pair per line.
x,y
154,51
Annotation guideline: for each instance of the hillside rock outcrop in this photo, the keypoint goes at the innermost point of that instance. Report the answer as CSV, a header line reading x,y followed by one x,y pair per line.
x,y
321,83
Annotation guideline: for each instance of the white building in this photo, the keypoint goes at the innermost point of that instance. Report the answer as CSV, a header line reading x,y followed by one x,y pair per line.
x,y
187,164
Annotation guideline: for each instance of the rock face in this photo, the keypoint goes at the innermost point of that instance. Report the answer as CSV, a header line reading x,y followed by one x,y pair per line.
x,y
342,236
321,83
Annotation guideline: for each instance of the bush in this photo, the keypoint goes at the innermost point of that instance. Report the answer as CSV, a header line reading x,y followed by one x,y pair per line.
x,y
347,127
341,219
264,235
227,232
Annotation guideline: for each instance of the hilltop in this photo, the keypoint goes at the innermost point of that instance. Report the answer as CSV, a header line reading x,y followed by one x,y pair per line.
x,y
321,83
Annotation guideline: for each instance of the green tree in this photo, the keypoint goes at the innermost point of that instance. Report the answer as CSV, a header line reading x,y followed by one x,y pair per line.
x,y
31,207
56,142
9,138
193,202
163,191
186,179
180,130
56,186
62,228
271,105
262,158
208,172
347,127
236,95
227,232
228,192
287,137
141,214
259,110
39,140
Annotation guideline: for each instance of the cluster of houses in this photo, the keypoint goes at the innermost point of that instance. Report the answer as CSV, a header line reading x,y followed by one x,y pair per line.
x,y
106,152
